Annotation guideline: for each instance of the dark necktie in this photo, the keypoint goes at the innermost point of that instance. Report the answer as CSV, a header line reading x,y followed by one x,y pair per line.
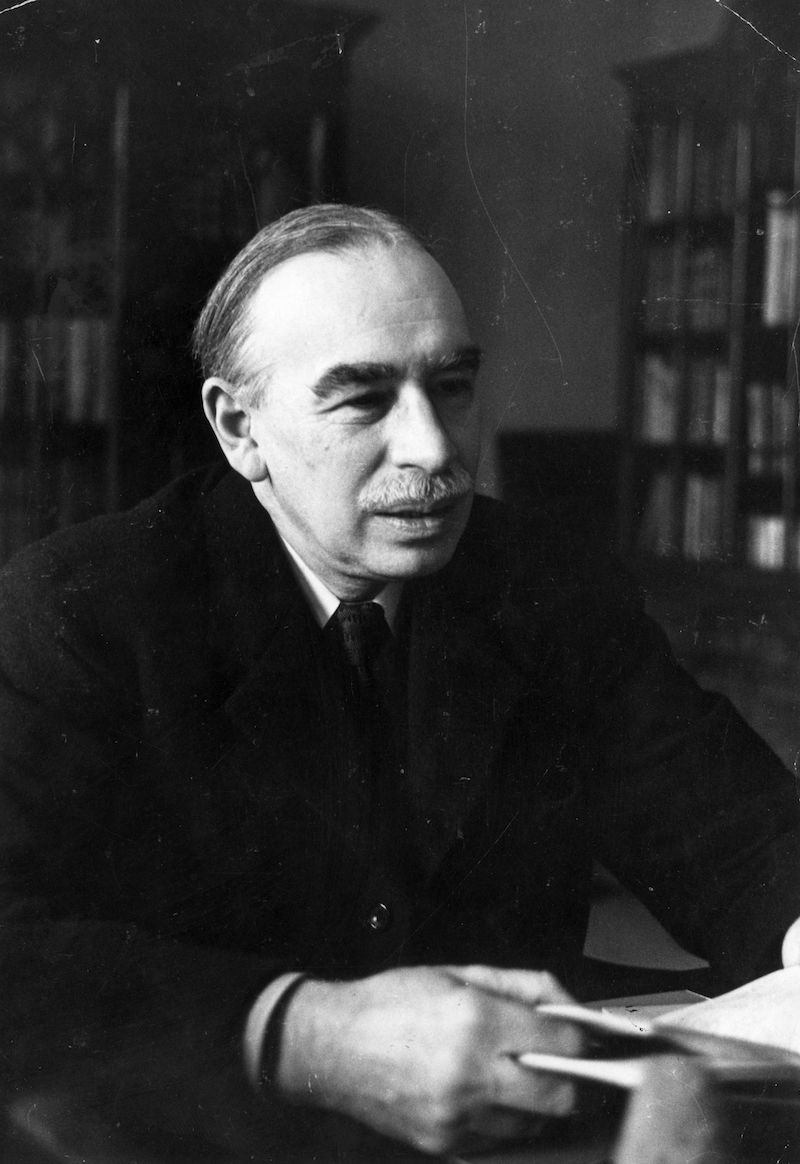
x,y
364,633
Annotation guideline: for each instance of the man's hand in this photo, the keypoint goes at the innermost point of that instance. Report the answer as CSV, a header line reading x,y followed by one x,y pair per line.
x,y
791,945
425,1054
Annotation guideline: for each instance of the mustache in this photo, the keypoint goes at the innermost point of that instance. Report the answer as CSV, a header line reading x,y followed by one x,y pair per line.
x,y
417,488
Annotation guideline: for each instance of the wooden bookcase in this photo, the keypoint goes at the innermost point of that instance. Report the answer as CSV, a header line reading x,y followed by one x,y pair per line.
x,y
709,500
709,368
140,146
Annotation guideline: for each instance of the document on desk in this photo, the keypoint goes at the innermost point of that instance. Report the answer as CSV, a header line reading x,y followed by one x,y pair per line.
x,y
766,1011
745,1037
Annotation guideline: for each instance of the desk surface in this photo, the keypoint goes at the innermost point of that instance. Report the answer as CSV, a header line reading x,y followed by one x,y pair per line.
x,y
44,1130
48,1127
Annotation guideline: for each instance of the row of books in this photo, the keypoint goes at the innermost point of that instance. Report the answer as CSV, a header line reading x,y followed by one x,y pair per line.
x,y
708,405
711,186
707,295
72,491
705,299
57,367
698,533
771,411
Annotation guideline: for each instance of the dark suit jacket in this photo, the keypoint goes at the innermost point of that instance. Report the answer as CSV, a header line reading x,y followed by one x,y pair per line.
x,y
174,832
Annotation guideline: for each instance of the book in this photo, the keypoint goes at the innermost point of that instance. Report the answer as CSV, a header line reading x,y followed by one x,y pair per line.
x,y
782,239
765,1012
658,382
745,1038
771,417
700,423
709,288
709,403
721,417
766,540
759,427
656,530
702,521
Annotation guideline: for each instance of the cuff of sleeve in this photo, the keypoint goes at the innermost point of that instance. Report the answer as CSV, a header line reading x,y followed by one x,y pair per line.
x,y
263,1027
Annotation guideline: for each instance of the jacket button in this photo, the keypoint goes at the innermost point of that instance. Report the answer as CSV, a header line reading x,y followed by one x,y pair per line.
x,y
379,918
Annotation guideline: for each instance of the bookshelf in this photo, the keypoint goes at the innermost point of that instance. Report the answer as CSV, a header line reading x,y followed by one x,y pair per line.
x,y
140,147
711,303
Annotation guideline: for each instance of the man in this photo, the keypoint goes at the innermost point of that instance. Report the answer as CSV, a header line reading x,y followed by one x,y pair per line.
x,y
251,866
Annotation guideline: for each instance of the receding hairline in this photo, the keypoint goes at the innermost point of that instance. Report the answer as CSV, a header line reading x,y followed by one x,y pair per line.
x,y
358,250
222,332
352,251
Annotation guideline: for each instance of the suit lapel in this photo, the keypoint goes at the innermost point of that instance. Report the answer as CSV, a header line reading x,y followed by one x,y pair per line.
x,y
461,690
265,639
461,695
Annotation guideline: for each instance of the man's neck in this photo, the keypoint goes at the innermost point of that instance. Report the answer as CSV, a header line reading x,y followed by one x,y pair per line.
x,y
323,602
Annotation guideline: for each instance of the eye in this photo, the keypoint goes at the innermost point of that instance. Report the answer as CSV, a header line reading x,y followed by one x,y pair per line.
x,y
366,405
455,388
367,400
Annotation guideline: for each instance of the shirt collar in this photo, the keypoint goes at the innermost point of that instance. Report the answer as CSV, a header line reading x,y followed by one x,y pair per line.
x,y
324,602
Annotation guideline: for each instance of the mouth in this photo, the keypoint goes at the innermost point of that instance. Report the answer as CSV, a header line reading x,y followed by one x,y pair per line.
x,y
420,521
420,510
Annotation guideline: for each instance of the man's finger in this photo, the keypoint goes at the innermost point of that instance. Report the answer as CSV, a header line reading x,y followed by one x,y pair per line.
x,y
496,1123
535,1092
529,986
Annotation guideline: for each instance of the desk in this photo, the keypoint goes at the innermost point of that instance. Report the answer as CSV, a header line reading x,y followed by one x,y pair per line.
x,y
52,1128
42,1133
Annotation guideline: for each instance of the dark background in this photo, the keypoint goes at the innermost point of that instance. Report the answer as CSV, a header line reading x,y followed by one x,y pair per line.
x,y
498,130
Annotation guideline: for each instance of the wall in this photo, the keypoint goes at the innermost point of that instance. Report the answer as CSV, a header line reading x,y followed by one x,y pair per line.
x,y
498,130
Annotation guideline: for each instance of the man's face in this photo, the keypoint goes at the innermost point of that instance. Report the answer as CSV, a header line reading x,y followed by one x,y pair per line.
x,y
369,425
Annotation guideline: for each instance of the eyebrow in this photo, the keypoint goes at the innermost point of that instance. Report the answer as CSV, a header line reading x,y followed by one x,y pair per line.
x,y
363,374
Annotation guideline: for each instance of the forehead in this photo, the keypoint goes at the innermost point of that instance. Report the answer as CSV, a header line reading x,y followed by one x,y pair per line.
x,y
384,303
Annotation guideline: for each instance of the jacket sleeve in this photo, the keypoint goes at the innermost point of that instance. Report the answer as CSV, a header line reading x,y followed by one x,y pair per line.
x,y
97,1008
687,804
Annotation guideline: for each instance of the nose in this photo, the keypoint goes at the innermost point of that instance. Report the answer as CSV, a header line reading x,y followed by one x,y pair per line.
x,y
419,438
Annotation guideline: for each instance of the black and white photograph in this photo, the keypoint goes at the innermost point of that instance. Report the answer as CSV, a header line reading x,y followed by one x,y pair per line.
x,y
399,582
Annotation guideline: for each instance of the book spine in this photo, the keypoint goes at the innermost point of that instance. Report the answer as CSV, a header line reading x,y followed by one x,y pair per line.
x,y
79,370
784,425
721,421
758,428
655,531
702,530
659,400
780,261
766,541
701,401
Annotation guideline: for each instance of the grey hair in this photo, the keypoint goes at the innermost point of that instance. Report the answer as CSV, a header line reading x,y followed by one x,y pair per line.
x,y
221,334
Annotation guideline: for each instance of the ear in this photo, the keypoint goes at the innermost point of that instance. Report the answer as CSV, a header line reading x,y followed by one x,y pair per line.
x,y
231,422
